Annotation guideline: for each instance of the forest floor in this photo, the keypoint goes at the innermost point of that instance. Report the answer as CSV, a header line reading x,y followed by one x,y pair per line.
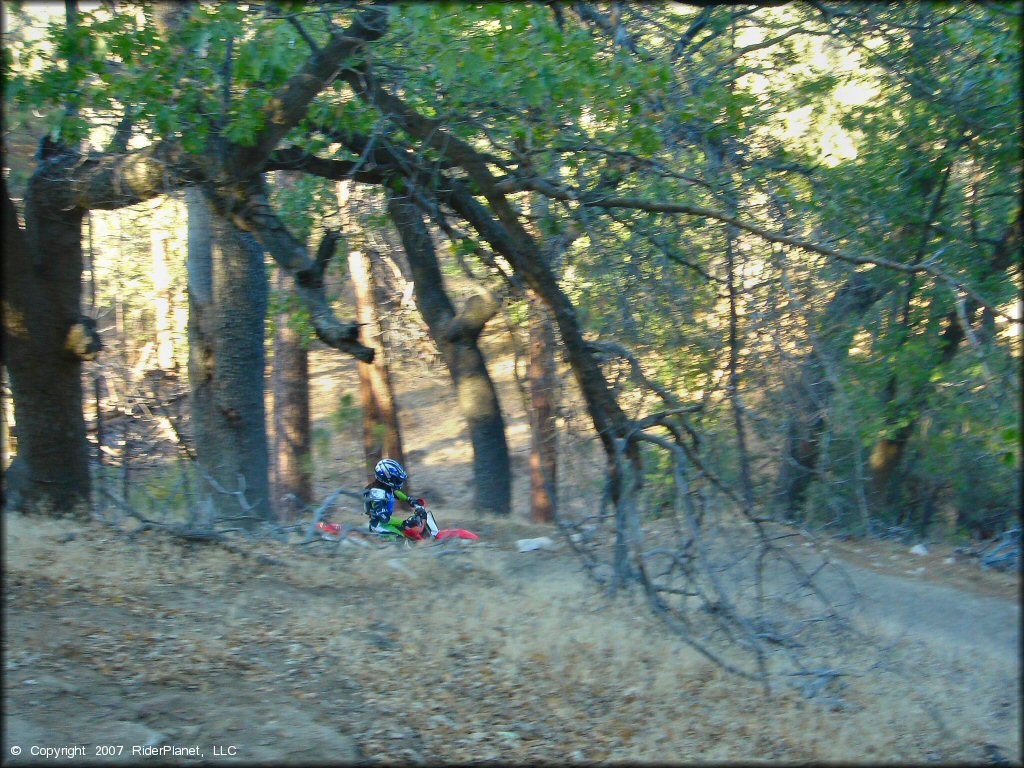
x,y
439,653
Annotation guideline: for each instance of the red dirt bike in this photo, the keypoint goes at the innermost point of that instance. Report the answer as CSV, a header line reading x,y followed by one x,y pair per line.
x,y
426,530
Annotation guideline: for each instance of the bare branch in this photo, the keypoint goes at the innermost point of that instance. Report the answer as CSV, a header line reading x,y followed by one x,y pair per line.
x,y
311,534
325,251
296,159
303,33
927,266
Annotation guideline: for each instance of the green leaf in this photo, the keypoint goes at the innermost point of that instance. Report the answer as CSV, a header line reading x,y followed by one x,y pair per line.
x,y
645,139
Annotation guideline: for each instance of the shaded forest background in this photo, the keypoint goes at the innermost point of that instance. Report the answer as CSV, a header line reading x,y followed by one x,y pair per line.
x,y
769,251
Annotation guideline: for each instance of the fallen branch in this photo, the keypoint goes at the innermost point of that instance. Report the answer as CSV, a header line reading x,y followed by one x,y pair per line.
x,y
311,534
185,532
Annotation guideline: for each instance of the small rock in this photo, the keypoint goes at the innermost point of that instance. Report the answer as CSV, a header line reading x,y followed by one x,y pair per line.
x,y
994,755
919,549
528,545
441,720
527,730
949,560
127,732
401,567
57,683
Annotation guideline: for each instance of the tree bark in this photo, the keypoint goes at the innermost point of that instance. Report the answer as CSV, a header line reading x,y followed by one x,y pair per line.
x,y
293,487
291,452
227,307
46,338
456,337
382,435
162,300
542,373
543,434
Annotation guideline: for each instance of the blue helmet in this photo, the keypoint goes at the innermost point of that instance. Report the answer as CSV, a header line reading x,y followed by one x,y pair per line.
x,y
390,472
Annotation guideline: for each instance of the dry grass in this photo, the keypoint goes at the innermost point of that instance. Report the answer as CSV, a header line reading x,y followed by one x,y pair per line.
x,y
496,655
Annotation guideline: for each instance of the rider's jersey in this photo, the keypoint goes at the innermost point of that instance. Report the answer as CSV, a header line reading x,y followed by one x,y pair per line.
x,y
379,505
379,502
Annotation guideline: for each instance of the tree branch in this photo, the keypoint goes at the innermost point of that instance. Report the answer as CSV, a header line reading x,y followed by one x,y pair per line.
x,y
927,266
103,181
326,250
291,103
247,207
303,34
296,159
474,315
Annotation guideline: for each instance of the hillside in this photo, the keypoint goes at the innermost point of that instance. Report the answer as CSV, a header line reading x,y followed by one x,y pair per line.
x,y
445,654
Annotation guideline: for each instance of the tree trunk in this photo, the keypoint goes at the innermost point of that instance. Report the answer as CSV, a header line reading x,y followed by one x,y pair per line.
x,y
46,338
456,337
293,488
382,435
291,455
542,375
543,435
162,301
884,460
51,338
812,392
889,450
227,307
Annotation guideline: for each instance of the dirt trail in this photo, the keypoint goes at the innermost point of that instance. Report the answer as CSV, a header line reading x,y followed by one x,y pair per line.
x,y
953,622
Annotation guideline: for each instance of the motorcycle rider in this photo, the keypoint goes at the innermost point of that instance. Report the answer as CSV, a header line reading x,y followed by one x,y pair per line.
x,y
379,503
